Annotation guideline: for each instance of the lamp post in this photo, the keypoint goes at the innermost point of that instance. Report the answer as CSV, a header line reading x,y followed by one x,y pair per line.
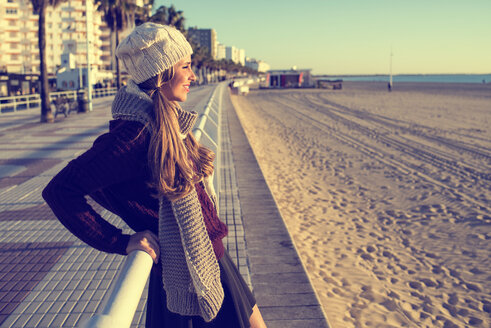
x,y
89,84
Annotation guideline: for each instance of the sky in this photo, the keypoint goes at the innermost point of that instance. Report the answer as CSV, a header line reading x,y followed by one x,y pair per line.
x,y
352,36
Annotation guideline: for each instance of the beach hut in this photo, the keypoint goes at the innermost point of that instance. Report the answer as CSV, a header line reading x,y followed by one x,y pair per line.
x,y
293,78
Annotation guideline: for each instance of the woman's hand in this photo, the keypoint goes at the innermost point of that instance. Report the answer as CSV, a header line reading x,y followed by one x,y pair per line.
x,y
145,241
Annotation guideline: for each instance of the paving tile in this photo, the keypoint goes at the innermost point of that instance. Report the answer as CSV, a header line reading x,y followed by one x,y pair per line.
x,y
273,268
79,307
18,283
46,320
54,295
291,312
34,321
59,320
56,306
289,323
67,307
32,167
71,320
299,299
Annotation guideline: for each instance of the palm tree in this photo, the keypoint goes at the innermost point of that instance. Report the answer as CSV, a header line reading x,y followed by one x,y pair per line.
x,y
39,7
169,16
160,16
176,18
117,15
142,14
200,54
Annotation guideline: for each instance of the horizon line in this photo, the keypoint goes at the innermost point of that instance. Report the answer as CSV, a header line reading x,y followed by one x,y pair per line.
x,y
386,74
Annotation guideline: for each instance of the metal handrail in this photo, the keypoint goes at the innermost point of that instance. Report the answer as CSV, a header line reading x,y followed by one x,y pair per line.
x,y
122,303
33,100
126,292
214,105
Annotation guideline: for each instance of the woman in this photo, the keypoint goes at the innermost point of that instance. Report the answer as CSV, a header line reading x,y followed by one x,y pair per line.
x,y
150,170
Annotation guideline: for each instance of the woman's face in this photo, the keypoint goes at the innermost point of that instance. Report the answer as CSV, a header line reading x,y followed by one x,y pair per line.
x,y
177,89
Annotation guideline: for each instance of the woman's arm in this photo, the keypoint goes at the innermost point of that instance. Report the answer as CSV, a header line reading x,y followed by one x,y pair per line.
x,y
113,158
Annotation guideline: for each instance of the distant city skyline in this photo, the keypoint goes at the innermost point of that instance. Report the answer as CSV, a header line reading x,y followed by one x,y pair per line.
x,y
352,37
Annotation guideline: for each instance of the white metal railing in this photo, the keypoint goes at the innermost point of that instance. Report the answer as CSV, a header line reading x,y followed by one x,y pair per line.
x,y
14,103
123,301
126,292
208,131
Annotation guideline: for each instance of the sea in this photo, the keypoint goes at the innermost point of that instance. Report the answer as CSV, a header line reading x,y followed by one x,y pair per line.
x,y
433,78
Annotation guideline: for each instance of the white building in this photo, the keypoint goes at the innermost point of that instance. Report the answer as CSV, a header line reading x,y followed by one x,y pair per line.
x,y
66,32
257,65
236,55
73,77
241,58
221,51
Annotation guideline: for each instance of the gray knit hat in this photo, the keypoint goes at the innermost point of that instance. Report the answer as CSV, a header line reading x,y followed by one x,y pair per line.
x,y
150,49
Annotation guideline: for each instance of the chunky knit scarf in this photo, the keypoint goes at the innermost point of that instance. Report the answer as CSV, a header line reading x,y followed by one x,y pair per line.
x,y
190,271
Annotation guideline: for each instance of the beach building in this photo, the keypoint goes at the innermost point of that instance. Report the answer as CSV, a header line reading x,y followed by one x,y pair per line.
x,y
205,37
14,84
293,78
257,65
73,77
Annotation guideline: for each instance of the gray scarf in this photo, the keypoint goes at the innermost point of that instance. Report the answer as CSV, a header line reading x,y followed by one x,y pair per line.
x,y
190,271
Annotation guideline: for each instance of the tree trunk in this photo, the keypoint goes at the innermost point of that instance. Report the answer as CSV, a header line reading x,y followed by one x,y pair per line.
x,y
118,72
46,114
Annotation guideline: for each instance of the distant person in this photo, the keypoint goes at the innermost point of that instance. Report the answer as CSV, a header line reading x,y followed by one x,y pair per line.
x,y
150,170
389,87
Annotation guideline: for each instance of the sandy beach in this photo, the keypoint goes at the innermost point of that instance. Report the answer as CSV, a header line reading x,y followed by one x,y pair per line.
x,y
386,196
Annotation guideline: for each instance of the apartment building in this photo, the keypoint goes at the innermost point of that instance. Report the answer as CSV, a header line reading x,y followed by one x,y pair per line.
x,y
66,32
235,54
205,38
221,51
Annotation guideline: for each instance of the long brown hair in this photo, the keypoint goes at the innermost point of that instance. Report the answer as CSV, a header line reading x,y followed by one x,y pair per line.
x,y
176,164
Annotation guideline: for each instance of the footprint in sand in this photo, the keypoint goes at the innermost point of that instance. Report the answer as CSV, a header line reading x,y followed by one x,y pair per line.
x,y
389,304
385,220
416,285
476,271
429,282
453,299
313,191
473,287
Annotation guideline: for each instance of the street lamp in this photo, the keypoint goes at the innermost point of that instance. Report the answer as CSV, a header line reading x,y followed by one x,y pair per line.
x,y
89,84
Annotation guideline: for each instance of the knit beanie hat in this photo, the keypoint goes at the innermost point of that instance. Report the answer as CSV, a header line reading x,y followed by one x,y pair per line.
x,y
151,49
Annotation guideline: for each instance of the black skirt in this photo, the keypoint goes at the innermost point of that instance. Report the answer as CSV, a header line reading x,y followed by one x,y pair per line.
x,y
234,313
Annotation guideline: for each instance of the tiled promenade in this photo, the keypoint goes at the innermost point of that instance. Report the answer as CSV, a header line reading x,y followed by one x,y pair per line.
x,y
48,278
